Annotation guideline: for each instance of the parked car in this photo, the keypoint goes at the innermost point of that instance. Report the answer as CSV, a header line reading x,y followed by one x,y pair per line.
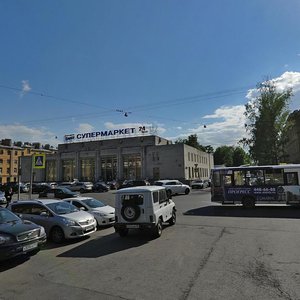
x,y
132,183
100,187
15,187
113,184
59,192
39,187
2,198
19,237
144,207
103,213
60,219
82,187
199,184
174,187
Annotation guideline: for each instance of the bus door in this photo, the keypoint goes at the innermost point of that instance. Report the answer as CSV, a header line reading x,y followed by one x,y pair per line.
x,y
291,188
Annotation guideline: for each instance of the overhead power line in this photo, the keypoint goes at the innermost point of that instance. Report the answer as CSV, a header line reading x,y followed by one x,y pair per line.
x,y
137,108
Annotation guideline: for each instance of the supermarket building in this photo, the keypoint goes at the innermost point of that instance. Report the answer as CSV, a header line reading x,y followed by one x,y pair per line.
x,y
122,154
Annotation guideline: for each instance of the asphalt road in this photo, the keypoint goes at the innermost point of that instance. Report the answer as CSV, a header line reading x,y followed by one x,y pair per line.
x,y
212,252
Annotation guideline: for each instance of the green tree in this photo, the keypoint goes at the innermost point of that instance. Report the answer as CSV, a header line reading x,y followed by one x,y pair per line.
x,y
192,141
239,157
230,156
266,124
223,156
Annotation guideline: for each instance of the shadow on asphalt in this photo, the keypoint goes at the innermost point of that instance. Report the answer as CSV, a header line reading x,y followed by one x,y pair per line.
x,y
108,244
280,212
13,262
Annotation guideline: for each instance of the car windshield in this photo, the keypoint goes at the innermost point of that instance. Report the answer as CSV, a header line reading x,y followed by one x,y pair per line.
x,y
62,207
7,217
93,203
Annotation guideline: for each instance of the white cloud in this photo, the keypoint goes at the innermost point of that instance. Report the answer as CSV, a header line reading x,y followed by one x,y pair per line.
x,y
18,132
228,130
25,88
85,127
285,81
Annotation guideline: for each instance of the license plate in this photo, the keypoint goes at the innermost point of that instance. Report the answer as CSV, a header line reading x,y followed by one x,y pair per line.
x,y
30,246
133,226
89,228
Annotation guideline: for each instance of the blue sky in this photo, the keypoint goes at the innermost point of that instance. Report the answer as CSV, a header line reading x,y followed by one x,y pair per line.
x,y
72,66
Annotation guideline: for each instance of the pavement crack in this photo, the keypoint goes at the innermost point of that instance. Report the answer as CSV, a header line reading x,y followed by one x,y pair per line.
x,y
201,266
263,277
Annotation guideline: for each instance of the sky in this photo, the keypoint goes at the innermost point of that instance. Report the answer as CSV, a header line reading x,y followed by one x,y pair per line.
x,y
177,67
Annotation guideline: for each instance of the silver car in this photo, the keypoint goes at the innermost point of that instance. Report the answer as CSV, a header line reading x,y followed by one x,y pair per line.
x,y
103,213
60,219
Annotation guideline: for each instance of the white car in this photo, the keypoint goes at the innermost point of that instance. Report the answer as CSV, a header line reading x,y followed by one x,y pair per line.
x,y
104,214
174,187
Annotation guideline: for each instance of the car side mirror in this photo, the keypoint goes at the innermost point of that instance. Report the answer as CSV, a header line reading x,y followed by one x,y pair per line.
x,y
44,214
82,208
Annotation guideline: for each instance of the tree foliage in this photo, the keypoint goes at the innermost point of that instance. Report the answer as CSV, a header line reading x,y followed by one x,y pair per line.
x,y
192,141
266,124
230,156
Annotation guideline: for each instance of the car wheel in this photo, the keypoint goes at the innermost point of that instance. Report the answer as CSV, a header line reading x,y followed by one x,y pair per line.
x,y
158,229
172,220
57,235
123,232
187,191
130,213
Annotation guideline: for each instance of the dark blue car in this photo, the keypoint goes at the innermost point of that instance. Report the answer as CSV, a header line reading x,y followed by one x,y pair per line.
x,y
17,236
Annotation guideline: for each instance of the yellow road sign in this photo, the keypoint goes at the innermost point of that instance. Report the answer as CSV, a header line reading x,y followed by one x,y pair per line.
x,y
39,161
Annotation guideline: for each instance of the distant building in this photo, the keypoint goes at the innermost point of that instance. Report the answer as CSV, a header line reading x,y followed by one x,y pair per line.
x,y
138,157
293,144
9,158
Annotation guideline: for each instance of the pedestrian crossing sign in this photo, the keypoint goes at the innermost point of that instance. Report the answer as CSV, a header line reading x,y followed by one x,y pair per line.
x,y
39,161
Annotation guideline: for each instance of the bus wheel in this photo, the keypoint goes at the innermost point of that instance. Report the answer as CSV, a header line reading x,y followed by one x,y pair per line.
x,y
248,202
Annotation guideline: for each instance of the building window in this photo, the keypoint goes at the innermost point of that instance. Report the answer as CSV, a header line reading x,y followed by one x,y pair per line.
x,y
8,151
132,166
16,152
189,158
15,162
87,169
1,151
156,173
15,170
68,169
51,170
0,170
8,161
8,171
109,168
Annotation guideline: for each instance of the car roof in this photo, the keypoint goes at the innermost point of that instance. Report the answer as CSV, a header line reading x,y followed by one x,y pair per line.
x,y
78,198
43,201
140,189
166,180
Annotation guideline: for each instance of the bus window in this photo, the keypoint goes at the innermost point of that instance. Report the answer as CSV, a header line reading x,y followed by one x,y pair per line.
x,y
291,178
255,177
227,180
216,178
239,178
274,177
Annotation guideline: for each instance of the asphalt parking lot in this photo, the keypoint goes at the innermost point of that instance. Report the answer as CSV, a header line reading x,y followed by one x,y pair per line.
x,y
212,252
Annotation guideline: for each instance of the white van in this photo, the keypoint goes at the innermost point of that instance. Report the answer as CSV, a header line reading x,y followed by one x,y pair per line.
x,y
144,207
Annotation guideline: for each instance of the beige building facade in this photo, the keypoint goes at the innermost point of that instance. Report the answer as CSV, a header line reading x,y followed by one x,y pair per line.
x,y
141,157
